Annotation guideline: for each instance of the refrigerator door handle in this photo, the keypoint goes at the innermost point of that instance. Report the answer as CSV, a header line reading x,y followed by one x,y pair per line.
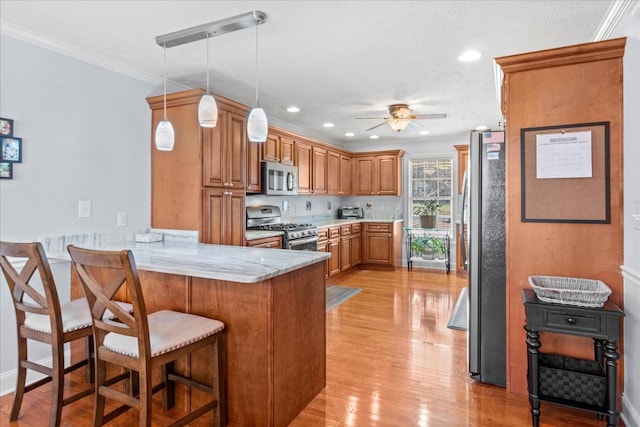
x,y
463,213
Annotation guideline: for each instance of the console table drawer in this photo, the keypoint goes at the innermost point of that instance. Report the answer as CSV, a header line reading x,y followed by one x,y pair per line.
x,y
569,322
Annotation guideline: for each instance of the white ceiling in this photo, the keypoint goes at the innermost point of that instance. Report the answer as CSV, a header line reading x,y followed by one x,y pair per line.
x,y
336,60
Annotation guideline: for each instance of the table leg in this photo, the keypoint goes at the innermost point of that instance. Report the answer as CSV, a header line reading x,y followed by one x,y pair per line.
x,y
533,344
611,355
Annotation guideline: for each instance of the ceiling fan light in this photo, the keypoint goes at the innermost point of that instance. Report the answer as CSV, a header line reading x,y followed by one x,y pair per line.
x,y
398,124
257,125
165,136
208,111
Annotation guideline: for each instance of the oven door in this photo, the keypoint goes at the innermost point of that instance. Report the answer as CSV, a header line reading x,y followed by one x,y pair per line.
x,y
304,244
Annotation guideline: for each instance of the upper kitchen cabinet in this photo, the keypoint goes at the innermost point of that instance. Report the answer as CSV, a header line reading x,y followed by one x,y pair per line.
x,y
311,160
224,148
176,176
319,168
378,173
339,172
279,146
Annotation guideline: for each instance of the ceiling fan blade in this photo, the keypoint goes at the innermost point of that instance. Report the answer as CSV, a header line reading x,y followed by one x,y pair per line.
x,y
377,126
372,118
429,116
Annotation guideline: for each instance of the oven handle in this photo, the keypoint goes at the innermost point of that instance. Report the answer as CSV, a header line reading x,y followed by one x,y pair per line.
x,y
298,242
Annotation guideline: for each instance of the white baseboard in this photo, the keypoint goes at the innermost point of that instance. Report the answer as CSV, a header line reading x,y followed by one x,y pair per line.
x,y
8,379
630,415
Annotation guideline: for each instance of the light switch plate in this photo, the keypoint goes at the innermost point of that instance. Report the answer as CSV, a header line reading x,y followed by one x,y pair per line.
x,y
122,219
84,209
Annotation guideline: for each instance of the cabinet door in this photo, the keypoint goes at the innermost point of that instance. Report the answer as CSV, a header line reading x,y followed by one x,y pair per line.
x,y
346,248
236,146
303,158
356,249
286,150
323,246
224,217
334,174
346,179
364,177
334,261
378,249
213,153
254,173
319,168
271,148
388,180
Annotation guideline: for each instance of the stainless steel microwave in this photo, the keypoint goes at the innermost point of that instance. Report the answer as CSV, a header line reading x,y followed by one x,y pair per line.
x,y
279,179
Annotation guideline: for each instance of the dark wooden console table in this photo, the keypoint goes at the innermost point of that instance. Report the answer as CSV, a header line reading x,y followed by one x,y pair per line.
x,y
588,385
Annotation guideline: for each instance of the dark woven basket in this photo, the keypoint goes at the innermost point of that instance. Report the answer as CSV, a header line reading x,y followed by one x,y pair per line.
x,y
572,379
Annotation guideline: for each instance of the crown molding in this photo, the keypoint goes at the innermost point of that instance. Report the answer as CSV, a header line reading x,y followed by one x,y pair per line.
x,y
616,11
20,33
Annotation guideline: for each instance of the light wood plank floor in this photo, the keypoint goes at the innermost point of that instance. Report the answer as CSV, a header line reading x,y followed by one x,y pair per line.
x,y
391,361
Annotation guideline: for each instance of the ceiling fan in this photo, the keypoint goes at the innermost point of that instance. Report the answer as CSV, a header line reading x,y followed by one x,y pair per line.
x,y
401,116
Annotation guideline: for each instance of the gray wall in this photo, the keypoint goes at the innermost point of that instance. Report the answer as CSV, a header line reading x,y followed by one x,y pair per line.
x,y
85,136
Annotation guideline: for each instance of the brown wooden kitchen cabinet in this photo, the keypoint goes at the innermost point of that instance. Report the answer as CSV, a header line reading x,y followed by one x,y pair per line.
x,y
271,147
333,246
379,173
274,242
319,168
254,167
339,172
463,163
356,244
224,216
224,150
346,254
303,159
382,244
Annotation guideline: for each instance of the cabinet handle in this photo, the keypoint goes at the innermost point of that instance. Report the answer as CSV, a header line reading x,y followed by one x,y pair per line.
x,y
571,320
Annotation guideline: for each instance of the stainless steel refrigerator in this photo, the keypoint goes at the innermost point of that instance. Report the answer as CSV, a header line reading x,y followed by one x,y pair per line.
x,y
483,208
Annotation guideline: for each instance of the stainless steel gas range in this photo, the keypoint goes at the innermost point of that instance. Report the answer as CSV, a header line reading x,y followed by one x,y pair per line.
x,y
302,237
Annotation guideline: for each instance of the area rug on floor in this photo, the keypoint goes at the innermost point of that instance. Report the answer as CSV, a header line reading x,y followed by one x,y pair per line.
x,y
458,319
336,295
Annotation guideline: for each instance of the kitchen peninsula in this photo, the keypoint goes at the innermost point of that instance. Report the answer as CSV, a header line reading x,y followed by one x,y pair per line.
x,y
272,303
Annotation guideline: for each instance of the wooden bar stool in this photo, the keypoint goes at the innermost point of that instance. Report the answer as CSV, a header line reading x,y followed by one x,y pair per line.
x,y
41,317
142,342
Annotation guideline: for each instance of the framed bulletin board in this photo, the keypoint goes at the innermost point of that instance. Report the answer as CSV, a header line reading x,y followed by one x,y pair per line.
x,y
565,173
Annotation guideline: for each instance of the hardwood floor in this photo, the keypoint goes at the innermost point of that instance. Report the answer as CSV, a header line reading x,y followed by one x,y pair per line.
x,y
391,361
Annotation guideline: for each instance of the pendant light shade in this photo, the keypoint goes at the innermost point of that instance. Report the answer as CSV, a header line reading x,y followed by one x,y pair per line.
x,y
208,109
165,136
257,125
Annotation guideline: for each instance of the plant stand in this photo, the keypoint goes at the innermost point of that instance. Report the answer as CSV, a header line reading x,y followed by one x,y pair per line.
x,y
443,236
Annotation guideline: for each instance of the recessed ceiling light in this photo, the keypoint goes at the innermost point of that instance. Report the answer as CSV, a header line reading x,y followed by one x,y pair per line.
x,y
481,127
374,137
293,109
470,55
349,134
328,125
424,132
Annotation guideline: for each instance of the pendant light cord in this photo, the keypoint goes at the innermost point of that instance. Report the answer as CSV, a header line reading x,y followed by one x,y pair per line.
x,y
164,68
256,18
207,64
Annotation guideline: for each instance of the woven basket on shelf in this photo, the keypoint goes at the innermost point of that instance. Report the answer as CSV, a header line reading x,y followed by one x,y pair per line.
x,y
570,290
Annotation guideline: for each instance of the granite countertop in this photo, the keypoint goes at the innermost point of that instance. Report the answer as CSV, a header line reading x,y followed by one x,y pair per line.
x,y
334,222
221,262
261,234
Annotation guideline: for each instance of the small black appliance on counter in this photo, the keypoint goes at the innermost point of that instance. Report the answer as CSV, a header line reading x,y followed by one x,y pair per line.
x,y
350,213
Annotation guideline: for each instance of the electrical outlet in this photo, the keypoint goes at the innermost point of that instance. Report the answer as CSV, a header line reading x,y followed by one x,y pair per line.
x,y
308,206
84,209
329,205
285,206
122,219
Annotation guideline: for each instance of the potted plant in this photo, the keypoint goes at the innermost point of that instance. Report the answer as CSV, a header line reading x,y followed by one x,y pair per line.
x,y
437,246
418,246
427,211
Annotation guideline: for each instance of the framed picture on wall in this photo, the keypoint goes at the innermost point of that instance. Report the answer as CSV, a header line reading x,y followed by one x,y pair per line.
x,y
6,127
11,149
6,170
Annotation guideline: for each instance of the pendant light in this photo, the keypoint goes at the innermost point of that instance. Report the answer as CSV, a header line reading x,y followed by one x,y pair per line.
x,y
207,109
257,126
165,137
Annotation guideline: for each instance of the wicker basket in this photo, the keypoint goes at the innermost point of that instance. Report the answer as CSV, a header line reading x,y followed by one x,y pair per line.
x,y
572,379
570,290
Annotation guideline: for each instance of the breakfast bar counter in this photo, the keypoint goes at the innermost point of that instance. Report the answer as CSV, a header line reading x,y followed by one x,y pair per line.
x,y
273,305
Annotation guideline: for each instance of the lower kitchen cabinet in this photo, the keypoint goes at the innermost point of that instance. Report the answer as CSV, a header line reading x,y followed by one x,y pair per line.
x,y
356,244
382,244
224,216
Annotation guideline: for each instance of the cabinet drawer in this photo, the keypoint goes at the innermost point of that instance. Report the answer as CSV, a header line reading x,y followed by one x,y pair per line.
x,y
355,228
565,321
378,228
345,230
334,232
323,233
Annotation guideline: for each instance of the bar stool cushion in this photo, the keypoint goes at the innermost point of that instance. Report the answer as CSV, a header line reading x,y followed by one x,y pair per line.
x,y
168,330
75,315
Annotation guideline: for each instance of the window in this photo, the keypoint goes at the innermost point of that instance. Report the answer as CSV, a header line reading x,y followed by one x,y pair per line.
x,y
432,179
